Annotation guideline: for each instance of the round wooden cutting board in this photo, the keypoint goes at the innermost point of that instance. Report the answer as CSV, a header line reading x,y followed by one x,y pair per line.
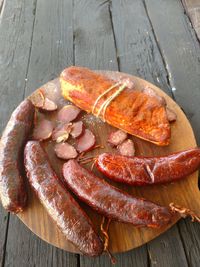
x,y
123,237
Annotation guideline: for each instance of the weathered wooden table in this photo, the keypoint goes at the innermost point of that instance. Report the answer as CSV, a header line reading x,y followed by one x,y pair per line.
x,y
153,39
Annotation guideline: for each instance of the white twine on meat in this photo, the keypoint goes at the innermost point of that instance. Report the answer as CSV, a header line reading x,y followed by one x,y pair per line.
x,y
107,102
104,93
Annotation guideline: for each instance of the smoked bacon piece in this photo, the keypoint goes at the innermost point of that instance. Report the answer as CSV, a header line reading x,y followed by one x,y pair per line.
x,y
130,110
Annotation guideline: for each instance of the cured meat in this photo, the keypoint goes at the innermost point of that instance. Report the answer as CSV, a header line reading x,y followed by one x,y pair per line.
x,y
77,129
117,137
149,170
65,151
43,130
40,101
58,202
171,115
149,91
12,188
128,109
86,141
68,113
112,202
61,132
127,148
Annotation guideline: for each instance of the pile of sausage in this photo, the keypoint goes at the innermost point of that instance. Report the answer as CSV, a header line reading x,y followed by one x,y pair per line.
x,y
54,194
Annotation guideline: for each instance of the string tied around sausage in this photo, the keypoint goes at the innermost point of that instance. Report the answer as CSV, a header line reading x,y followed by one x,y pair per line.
x,y
184,212
106,238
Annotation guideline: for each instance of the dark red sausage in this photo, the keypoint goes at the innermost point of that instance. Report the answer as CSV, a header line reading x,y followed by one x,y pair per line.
x,y
60,205
149,170
112,202
12,189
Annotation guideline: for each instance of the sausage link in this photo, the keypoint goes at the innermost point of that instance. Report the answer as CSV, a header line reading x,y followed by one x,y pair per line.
x,y
12,189
149,170
60,205
112,202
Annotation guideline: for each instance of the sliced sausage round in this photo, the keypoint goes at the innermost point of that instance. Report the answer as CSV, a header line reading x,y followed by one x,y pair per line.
x,y
117,137
86,141
65,151
127,148
43,130
77,129
68,113
61,132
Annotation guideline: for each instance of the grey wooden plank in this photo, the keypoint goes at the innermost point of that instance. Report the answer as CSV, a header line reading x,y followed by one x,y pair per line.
x,y
134,258
139,54
137,49
25,249
93,36
52,44
180,49
192,8
190,233
167,250
181,53
15,33
95,48
51,50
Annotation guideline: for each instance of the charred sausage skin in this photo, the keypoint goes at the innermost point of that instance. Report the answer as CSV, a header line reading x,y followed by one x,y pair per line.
x,y
60,205
149,170
113,202
12,189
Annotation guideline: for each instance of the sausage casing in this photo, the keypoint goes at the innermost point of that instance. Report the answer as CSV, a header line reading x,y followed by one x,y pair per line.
x,y
149,170
12,189
60,205
112,202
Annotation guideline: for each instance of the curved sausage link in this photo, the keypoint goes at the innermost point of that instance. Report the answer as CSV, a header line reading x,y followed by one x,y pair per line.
x,y
60,205
149,170
12,189
112,202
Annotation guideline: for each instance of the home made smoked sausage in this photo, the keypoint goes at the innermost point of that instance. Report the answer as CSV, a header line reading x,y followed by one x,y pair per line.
x,y
60,205
112,202
12,189
149,170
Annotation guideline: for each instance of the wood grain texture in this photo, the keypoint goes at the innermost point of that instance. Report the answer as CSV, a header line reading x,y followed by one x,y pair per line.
x,y
161,194
137,50
15,35
137,257
52,43
190,233
51,50
94,42
167,250
192,8
25,249
181,52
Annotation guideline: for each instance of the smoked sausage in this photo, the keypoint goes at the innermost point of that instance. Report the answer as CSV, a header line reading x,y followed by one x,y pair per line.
x,y
12,189
60,205
113,202
149,170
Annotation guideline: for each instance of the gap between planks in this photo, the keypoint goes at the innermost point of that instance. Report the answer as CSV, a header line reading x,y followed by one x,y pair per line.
x,y
192,11
30,50
2,4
